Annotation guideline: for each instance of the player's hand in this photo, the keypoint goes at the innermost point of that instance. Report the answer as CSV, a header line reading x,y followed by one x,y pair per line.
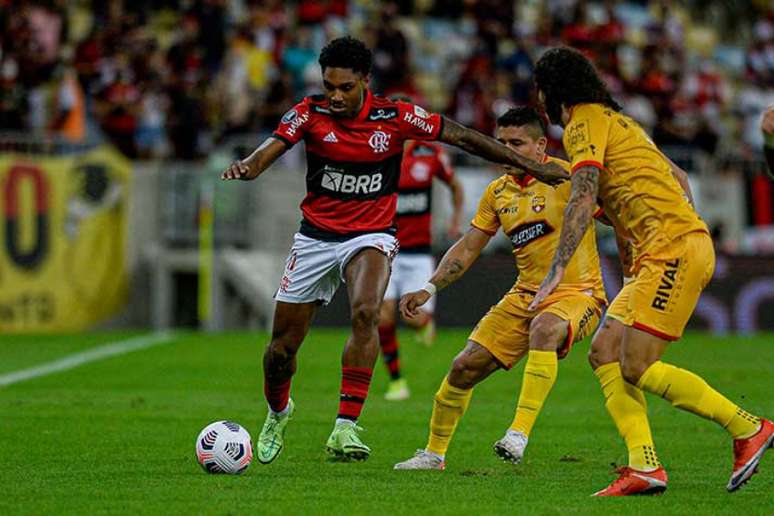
x,y
410,303
237,170
550,173
549,285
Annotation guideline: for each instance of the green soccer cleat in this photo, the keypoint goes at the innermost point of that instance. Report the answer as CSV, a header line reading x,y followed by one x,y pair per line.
x,y
345,445
397,390
272,438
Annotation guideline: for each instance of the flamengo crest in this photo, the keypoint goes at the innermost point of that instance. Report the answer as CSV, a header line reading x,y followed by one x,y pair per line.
x,y
379,141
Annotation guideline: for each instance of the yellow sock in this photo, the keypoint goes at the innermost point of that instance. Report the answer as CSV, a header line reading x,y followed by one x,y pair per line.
x,y
539,377
449,406
690,392
626,405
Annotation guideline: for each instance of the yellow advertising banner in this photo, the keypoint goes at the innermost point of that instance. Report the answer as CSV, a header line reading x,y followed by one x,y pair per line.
x,y
62,240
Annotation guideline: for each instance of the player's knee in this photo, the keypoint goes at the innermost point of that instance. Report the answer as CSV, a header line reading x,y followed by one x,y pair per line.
x,y
463,374
280,351
547,335
365,316
596,359
603,350
599,356
632,370
283,340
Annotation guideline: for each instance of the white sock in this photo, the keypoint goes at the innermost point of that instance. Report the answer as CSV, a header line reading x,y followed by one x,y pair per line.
x,y
343,421
281,412
515,433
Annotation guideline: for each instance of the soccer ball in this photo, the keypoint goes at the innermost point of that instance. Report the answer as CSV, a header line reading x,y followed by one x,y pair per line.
x,y
224,447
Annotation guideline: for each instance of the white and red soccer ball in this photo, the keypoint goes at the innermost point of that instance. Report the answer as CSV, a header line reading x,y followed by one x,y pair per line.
x,y
224,447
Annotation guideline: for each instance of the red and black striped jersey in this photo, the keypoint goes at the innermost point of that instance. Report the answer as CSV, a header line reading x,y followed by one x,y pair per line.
x,y
353,164
422,161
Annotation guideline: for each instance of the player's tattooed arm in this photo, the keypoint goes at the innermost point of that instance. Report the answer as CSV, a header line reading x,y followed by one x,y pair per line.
x,y
488,148
453,265
253,165
459,258
577,217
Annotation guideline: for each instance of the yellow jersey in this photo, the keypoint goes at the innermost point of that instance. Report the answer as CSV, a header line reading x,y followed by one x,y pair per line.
x,y
530,214
637,190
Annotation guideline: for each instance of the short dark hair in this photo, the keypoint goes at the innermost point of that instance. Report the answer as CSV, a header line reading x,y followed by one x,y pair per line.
x,y
346,52
565,76
521,116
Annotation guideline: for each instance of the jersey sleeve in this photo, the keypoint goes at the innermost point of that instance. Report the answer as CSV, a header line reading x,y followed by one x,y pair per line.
x,y
293,124
585,137
486,215
443,169
417,124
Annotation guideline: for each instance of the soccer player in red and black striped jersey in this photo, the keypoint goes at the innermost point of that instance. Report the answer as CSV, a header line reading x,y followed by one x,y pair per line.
x,y
422,163
354,143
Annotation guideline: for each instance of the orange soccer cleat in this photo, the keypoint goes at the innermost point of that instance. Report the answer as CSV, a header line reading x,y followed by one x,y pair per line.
x,y
748,453
634,482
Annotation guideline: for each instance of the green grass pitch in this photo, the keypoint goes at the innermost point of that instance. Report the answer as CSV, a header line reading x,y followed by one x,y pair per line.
x,y
117,436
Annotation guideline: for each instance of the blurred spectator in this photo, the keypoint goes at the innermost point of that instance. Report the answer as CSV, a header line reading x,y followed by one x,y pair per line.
x,y
167,77
391,60
52,97
299,54
474,96
118,107
186,122
13,97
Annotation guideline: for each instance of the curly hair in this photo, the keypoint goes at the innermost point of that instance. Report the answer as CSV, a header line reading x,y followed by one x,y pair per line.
x,y
521,116
346,52
565,76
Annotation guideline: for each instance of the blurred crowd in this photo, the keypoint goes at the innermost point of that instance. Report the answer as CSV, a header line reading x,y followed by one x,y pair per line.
x,y
172,78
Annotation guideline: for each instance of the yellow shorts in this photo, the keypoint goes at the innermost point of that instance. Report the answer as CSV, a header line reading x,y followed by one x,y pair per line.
x,y
664,291
504,330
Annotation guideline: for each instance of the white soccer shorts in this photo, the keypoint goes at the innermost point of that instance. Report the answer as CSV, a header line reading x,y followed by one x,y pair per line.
x,y
410,272
315,268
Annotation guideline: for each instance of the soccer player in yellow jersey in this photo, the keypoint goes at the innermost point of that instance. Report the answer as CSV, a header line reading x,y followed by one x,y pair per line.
x,y
530,214
615,164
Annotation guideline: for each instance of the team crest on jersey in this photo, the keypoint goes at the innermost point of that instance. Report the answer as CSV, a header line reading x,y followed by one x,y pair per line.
x,y
538,203
382,114
290,116
421,113
379,141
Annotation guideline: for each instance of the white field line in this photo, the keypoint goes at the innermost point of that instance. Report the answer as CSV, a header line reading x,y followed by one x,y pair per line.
x,y
84,357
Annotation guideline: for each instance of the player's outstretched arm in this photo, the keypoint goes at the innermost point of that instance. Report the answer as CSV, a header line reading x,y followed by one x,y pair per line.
x,y
453,265
253,165
577,216
488,148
